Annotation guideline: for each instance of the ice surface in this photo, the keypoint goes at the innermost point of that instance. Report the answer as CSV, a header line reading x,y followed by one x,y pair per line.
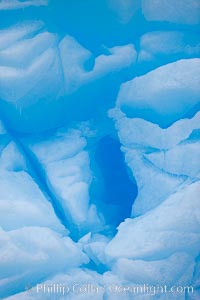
x,y
14,172
29,254
41,69
163,231
149,177
99,147
124,9
36,45
17,4
30,199
146,134
25,80
160,47
172,11
173,161
75,277
153,155
165,98
30,61
31,236
14,34
165,271
66,166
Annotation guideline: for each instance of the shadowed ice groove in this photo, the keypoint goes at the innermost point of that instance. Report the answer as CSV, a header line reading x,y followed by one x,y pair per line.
x,y
31,232
34,170
118,190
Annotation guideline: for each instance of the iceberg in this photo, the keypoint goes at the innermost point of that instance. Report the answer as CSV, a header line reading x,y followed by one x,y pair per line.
x,y
99,150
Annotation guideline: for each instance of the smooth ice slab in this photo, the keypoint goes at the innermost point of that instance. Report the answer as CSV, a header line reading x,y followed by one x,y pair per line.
x,y
163,95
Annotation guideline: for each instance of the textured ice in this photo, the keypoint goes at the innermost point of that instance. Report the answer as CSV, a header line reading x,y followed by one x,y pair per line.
x,y
18,4
164,231
146,134
160,47
172,161
124,9
41,249
66,166
42,69
147,147
10,36
74,58
99,147
172,11
165,98
38,211
37,44
165,271
76,275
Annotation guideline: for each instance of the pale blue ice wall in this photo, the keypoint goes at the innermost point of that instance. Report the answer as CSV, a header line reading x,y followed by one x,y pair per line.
x,y
99,146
